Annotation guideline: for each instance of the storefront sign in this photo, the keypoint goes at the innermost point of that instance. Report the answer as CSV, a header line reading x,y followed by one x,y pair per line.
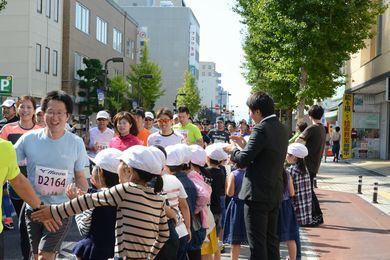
x,y
346,127
5,85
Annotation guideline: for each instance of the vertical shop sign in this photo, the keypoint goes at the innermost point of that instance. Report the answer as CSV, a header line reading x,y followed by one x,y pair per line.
x,y
346,127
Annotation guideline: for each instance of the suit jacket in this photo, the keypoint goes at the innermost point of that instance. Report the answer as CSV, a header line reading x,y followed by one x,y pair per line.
x,y
264,156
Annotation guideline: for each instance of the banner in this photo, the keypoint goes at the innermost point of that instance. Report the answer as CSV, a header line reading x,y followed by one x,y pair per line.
x,y
346,127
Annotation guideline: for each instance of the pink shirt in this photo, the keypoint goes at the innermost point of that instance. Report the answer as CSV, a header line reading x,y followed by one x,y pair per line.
x,y
124,142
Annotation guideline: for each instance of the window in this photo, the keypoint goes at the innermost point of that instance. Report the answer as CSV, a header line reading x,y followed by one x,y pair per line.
x,y
38,57
55,62
47,60
130,49
48,8
56,10
39,6
117,40
101,30
82,18
203,74
78,64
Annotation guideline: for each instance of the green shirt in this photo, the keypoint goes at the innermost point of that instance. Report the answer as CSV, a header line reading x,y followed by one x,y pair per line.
x,y
8,167
190,132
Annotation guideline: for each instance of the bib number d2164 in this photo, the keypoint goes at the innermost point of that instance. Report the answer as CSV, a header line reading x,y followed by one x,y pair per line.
x,y
49,181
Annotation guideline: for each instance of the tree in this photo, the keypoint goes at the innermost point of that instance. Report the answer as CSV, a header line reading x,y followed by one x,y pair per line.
x,y
146,90
191,99
295,49
207,113
118,96
3,3
92,79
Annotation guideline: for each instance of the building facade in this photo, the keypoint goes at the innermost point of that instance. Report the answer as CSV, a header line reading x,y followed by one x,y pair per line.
x,y
208,82
31,46
100,30
368,81
172,35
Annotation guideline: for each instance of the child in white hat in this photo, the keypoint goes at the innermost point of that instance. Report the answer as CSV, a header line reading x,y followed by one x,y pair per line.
x,y
297,210
98,225
141,224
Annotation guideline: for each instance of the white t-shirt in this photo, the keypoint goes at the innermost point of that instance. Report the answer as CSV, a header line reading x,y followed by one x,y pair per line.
x,y
173,190
101,139
165,140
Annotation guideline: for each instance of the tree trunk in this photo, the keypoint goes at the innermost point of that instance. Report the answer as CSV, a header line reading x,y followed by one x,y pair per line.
x,y
301,105
289,121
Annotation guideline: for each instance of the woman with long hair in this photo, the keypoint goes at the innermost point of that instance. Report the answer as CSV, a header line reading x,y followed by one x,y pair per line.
x,y
126,131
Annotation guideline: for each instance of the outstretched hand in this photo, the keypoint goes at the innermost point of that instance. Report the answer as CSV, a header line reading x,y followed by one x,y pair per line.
x,y
238,140
44,215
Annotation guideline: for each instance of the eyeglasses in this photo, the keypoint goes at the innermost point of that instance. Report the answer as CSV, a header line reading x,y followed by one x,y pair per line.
x,y
101,119
59,114
164,121
148,119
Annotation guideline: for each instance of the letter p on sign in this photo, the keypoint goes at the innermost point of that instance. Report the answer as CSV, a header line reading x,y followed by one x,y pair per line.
x,y
5,85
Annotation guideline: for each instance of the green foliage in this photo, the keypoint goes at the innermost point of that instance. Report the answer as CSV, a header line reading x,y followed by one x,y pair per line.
x,y
146,90
207,113
92,78
294,49
3,3
191,99
118,96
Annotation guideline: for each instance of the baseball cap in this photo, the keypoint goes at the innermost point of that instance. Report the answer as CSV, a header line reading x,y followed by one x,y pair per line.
x,y
216,152
107,159
38,110
102,114
175,116
178,154
8,103
149,114
219,119
146,158
298,150
198,155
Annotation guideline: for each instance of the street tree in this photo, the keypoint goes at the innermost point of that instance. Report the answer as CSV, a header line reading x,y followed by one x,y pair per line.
x,y
146,90
3,3
118,97
92,78
191,99
294,49
207,113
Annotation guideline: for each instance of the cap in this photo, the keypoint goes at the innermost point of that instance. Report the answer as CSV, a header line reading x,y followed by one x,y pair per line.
x,y
147,158
38,110
216,152
107,159
178,154
219,119
102,114
8,103
149,114
198,155
175,116
298,150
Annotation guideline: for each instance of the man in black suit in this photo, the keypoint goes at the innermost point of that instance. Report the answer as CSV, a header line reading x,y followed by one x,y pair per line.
x,y
262,187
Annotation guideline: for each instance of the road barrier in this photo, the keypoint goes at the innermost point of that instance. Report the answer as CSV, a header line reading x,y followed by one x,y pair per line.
x,y
360,181
375,194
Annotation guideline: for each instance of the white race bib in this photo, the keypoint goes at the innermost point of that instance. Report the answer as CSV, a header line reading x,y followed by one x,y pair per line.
x,y
184,133
49,181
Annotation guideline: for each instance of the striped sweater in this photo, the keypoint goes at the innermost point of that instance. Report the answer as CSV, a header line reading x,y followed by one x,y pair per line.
x,y
141,224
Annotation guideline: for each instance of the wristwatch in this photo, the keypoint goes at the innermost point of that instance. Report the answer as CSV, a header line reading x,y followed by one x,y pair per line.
x,y
36,209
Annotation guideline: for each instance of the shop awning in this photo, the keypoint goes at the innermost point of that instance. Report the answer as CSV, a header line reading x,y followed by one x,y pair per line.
x,y
331,114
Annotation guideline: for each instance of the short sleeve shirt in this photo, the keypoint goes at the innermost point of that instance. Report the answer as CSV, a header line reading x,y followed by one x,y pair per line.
x,y
143,136
190,132
101,139
8,167
51,163
217,136
165,140
314,137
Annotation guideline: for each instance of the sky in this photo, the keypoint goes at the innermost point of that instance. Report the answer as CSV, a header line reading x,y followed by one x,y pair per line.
x,y
221,42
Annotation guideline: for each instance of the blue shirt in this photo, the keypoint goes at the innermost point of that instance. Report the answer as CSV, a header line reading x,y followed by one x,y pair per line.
x,y
51,164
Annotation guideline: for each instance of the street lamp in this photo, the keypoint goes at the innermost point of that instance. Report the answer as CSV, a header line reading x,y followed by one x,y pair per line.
x,y
175,102
144,76
115,59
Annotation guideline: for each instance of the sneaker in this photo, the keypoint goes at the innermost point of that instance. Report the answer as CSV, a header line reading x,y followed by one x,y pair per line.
x,y
9,226
222,249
